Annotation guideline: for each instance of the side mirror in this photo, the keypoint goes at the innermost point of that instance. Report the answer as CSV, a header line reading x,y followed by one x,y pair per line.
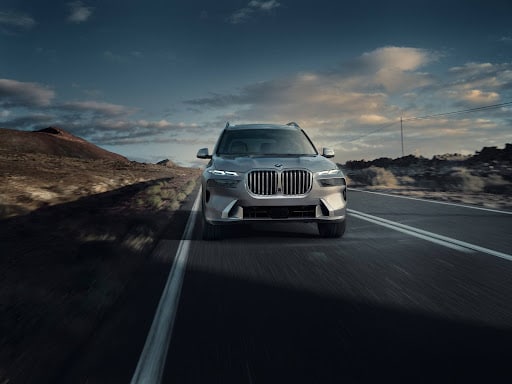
x,y
328,153
203,154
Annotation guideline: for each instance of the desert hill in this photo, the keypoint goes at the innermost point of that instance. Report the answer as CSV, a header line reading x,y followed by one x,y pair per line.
x,y
53,141
51,166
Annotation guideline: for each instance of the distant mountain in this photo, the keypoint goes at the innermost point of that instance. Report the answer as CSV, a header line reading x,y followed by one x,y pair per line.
x,y
55,142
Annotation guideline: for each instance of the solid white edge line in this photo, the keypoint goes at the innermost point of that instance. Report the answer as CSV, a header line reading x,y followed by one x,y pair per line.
x,y
430,236
411,233
151,363
433,201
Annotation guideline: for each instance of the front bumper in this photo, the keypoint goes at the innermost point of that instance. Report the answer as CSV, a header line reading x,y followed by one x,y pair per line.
x,y
234,204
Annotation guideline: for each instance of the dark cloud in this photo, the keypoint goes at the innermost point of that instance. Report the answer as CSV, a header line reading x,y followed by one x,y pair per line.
x,y
253,8
33,122
16,93
97,108
29,106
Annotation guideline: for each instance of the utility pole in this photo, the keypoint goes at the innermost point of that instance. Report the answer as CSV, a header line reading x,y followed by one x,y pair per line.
x,y
402,135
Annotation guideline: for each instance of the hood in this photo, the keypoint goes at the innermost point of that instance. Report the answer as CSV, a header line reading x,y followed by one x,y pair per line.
x,y
315,163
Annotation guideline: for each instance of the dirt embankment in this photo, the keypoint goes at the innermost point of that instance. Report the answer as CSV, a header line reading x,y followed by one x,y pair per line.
x,y
74,231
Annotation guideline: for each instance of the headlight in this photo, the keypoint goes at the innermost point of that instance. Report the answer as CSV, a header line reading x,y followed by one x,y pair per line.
x,y
332,182
223,183
225,179
218,172
328,173
331,178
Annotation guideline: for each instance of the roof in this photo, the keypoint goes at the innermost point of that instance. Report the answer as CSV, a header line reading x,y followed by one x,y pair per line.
x,y
289,126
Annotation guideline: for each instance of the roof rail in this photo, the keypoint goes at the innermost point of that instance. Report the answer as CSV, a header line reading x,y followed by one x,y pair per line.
x,y
227,125
293,124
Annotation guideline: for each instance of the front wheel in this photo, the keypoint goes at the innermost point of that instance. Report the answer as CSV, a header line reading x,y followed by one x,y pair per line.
x,y
332,230
211,232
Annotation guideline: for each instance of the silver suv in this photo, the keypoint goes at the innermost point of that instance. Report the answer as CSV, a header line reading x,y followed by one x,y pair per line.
x,y
270,172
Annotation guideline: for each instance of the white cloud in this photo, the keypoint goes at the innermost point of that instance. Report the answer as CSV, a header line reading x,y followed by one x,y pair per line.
x,y
360,102
371,119
472,68
17,93
253,7
392,69
240,16
397,58
478,97
264,5
355,107
478,84
13,22
125,132
15,19
79,12
482,75
102,108
359,87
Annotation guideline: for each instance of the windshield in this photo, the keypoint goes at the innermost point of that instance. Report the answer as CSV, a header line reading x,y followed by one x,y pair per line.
x,y
265,142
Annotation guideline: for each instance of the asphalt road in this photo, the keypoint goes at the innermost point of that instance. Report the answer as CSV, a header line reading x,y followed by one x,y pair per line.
x,y
277,304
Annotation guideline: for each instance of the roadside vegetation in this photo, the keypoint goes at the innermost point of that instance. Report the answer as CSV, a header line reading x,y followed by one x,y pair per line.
x,y
483,179
74,232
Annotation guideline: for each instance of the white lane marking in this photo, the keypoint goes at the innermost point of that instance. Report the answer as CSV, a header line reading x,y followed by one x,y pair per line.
x,y
409,231
151,363
430,236
433,201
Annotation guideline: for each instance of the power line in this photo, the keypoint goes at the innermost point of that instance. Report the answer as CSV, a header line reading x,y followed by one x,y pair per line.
x,y
452,113
493,106
432,116
372,132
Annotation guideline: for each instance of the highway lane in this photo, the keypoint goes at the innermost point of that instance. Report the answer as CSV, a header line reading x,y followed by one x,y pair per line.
x,y
276,303
488,228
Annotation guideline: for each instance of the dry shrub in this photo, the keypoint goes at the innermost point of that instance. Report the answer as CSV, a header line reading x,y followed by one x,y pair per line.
x,y
379,177
406,180
496,180
461,179
497,184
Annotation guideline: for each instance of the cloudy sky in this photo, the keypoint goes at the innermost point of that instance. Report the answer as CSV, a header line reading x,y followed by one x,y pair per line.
x,y
159,79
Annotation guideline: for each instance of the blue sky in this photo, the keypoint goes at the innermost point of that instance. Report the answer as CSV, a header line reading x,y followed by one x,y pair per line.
x,y
159,79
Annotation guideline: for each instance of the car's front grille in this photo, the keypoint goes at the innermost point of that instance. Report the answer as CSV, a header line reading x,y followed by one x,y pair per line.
x,y
296,182
288,182
262,182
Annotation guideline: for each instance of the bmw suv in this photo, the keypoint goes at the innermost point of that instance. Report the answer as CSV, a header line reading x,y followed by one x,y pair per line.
x,y
267,173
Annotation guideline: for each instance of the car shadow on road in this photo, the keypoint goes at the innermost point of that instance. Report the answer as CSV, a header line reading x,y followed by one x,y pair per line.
x,y
240,330
270,230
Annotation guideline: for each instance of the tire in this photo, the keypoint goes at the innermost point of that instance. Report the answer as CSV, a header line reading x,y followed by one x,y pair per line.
x,y
332,230
211,232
